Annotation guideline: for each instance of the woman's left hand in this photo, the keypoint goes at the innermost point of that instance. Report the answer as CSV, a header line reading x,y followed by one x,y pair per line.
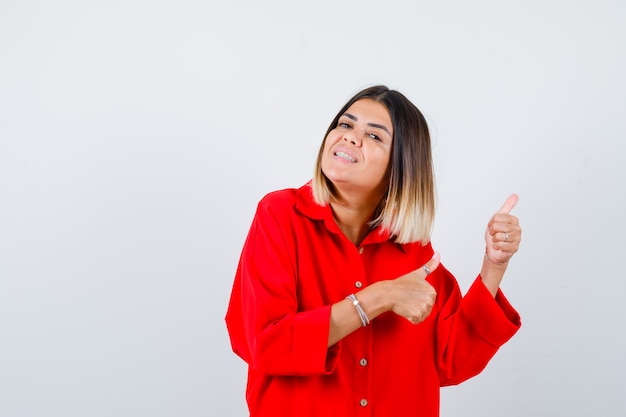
x,y
503,234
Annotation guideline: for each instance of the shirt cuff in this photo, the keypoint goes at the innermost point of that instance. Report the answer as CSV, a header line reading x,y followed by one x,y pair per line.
x,y
493,318
312,341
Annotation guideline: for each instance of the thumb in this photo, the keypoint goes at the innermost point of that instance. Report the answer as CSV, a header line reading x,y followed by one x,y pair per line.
x,y
432,264
509,204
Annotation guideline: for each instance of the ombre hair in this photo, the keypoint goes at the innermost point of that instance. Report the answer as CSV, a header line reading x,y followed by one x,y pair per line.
x,y
407,210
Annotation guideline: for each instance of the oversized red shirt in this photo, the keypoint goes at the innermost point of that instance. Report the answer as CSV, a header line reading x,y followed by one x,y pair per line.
x,y
294,265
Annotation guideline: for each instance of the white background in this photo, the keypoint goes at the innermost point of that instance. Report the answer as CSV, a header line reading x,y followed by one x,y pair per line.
x,y
136,138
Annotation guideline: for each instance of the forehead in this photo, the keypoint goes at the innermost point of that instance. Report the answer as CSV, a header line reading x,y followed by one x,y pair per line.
x,y
370,111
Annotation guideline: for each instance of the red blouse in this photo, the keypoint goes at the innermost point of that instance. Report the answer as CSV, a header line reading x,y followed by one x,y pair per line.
x,y
294,265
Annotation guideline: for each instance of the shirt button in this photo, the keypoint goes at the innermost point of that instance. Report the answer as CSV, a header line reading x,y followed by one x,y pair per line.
x,y
363,362
358,284
363,402
360,250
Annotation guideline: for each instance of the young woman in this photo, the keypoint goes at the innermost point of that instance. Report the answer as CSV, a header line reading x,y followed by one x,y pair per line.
x,y
340,306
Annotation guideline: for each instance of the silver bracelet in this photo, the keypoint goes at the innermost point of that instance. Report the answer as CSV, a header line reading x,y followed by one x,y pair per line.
x,y
364,320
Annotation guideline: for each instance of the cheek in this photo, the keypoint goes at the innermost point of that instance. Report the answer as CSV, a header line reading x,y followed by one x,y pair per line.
x,y
329,142
325,154
384,161
326,145
385,170
330,139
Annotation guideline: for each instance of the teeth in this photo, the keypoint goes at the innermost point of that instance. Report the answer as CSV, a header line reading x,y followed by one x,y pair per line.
x,y
344,156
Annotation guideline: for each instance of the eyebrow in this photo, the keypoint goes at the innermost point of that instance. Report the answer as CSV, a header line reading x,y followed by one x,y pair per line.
x,y
376,125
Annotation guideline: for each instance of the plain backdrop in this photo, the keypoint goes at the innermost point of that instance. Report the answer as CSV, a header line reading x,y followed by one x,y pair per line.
x,y
136,138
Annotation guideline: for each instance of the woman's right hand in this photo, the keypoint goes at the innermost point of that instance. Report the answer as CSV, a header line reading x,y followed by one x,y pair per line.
x,y
411,296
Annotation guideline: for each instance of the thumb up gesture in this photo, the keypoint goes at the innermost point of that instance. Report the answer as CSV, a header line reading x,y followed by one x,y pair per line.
x,y
503,234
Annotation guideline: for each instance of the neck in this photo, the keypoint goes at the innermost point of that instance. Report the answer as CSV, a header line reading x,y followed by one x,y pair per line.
x,y
353,219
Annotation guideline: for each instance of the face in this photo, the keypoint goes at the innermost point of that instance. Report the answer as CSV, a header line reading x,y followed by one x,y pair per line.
x,y
357,151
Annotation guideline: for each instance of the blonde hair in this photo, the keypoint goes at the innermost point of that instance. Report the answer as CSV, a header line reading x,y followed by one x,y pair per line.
x,y
408,209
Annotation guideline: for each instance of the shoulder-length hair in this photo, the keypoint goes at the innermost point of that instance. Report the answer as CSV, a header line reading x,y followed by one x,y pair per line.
x,y
407,210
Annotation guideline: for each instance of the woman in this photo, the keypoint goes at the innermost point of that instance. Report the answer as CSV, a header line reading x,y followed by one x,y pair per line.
x,y
340,306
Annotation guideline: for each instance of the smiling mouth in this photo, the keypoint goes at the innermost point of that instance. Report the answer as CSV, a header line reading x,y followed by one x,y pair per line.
x,y
345,156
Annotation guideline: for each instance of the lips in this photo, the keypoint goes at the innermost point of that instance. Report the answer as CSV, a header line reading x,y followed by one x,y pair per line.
x,y
345,156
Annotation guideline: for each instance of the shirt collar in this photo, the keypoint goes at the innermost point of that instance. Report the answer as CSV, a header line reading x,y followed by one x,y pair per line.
x,y
305,204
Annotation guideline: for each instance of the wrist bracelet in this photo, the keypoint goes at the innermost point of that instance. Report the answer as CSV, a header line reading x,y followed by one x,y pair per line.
x,y
487,258
364,320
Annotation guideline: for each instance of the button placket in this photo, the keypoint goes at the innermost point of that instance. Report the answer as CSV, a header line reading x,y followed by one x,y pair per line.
x,y
362,387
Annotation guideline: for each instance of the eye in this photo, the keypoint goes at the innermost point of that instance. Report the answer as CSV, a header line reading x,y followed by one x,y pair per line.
x,y
344,125
375,137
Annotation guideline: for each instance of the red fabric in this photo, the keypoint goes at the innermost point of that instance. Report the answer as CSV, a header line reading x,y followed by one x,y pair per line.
x,y
294,265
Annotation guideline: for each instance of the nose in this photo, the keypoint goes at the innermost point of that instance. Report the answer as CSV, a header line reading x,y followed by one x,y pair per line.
x,y
353,137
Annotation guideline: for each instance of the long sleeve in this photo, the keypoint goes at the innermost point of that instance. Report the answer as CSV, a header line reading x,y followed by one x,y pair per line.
x,y
277,338
471,330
